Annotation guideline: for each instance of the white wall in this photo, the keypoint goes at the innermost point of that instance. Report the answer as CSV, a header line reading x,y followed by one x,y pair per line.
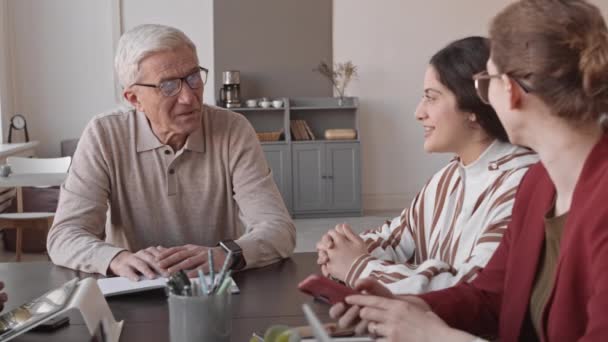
x,y
194,17
391,42
61,57
5,81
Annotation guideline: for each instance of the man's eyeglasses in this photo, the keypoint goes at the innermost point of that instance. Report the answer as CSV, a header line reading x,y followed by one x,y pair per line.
x,y
482,85
172,87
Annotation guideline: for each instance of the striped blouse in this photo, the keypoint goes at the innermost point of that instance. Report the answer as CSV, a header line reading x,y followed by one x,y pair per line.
x,y
452,227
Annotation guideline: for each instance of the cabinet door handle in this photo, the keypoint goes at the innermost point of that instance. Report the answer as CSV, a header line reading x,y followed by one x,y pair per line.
x,y
330,177
324,177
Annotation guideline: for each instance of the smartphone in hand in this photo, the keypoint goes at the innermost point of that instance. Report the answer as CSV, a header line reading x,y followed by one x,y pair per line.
x,y
324,289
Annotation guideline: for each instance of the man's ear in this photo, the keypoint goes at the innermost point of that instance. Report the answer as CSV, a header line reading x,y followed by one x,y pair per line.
x,y
514,91
133,99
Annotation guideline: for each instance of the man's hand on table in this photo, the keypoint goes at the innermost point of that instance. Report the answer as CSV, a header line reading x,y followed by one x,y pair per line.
x,y
190,258
144,262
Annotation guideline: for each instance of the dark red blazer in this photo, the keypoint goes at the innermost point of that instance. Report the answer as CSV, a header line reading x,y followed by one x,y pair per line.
x,y
497,301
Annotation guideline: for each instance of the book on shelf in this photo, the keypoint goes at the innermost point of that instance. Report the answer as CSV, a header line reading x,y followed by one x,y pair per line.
x,y
294,131
297,130
300,130
309,131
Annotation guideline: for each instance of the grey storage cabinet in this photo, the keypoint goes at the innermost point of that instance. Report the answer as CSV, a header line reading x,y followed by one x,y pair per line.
x,y
326,179
342,174
309,190
317,178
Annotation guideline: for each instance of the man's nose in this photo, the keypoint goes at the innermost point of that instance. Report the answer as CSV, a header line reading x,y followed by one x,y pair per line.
x,y
186,94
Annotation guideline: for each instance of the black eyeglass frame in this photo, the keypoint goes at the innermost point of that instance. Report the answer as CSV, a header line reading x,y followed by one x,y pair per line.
x,y
180,84
484,75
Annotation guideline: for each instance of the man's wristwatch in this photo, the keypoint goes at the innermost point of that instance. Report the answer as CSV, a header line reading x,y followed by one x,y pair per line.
x,y
238,261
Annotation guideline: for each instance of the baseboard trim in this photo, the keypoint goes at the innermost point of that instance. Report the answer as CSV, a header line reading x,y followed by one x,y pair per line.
x,y
321,214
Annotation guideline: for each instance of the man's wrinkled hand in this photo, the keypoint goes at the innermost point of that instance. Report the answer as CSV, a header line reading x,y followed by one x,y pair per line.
x,y
133,265
190,258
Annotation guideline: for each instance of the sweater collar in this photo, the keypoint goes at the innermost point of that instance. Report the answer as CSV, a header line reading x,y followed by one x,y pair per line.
x,y
147,141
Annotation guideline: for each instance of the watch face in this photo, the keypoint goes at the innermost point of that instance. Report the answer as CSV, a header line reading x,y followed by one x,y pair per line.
x,y
18,121
231,246
238,262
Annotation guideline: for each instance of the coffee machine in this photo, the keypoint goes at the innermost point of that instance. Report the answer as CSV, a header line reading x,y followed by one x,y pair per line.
x,y
230,92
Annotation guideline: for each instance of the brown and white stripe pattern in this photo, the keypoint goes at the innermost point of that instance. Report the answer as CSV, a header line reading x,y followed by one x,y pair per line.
x,y
452,227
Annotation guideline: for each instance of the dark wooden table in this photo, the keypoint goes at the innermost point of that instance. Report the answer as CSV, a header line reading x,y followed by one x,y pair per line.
x,y
268,296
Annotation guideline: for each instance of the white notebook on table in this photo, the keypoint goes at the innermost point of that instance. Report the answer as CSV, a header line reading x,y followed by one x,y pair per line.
x,y
121,285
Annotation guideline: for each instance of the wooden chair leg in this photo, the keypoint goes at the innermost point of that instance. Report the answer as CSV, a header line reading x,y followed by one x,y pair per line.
x,y
19,199
19,232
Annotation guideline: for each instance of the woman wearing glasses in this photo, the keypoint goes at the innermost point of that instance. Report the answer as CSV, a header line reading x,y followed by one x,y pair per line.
x,y
457,220
547,78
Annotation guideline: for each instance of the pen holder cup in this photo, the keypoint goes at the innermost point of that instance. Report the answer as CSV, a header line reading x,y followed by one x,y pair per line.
x,y
200,318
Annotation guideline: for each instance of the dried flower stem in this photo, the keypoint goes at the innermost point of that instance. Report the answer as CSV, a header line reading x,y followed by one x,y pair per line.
x,y
339,76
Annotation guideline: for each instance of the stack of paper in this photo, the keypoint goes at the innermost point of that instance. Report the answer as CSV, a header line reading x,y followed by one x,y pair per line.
x,y
120,285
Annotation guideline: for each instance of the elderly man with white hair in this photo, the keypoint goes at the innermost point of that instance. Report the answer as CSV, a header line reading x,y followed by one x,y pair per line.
x,y
179,177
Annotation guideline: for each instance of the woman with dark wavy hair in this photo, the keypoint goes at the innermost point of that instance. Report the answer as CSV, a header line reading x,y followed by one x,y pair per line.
x,y
457,220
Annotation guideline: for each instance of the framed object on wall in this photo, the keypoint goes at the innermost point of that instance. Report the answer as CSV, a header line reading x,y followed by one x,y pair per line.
x,y
17,123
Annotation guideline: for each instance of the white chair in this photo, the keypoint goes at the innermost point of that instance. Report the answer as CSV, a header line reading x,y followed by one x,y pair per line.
x,y
21,221
39,165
